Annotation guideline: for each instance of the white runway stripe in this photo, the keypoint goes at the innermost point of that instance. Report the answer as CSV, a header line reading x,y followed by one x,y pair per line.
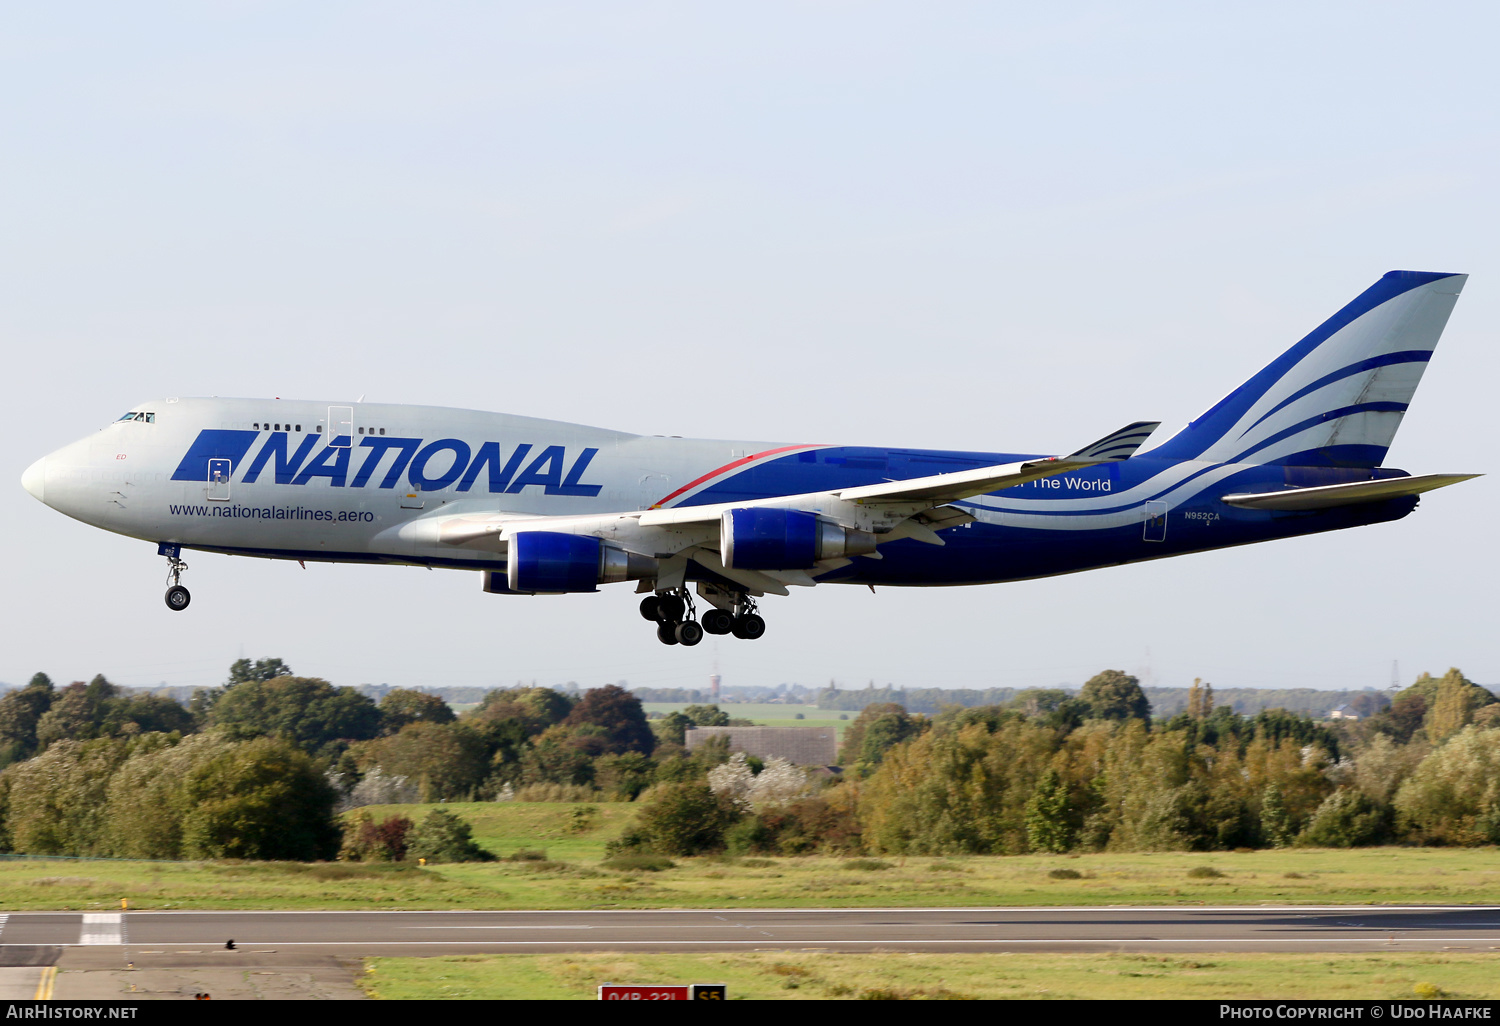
x,y
102,928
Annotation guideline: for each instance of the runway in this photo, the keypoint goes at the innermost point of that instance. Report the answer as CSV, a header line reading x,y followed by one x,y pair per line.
x,y
24,935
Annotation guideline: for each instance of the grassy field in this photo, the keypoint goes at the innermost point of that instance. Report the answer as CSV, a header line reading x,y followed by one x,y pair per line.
x,y
572,876
767,714
800,975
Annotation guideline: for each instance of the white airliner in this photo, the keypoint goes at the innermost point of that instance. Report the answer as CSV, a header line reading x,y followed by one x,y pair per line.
x,y
543,507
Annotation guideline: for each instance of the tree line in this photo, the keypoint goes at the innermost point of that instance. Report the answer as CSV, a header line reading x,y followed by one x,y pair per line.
x,y
264,766
1165,701
1050,771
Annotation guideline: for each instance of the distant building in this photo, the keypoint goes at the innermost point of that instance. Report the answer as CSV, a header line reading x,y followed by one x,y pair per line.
x,y
1343,712
800,746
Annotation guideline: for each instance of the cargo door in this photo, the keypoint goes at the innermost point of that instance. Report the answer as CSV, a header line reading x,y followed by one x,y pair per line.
x,y
218,479
1156,521
341,426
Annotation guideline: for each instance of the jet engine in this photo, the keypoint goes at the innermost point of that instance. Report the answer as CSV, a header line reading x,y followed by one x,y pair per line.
x,y
548,562
785,539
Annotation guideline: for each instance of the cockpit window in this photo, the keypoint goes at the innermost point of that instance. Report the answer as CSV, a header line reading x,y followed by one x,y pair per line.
x,y
145,418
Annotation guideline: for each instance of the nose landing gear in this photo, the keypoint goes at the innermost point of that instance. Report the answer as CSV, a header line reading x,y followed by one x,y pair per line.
x,y
177,596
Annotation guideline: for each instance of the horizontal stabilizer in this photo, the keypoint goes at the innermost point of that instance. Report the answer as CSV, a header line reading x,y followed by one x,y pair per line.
x,y
1329,496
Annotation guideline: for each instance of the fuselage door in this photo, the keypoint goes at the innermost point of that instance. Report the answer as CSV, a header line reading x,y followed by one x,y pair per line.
x,y
1156,521
341,426
218,479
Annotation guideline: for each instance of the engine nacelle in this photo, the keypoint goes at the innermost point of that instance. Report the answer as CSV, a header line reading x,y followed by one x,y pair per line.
x,y
551,563
785,539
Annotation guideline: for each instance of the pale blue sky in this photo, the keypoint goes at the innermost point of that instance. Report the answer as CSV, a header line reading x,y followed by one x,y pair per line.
x,y
1003,226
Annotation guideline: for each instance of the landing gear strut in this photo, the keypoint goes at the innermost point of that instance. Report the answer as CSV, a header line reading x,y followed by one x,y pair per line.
x,y
177,596
677,622
746,622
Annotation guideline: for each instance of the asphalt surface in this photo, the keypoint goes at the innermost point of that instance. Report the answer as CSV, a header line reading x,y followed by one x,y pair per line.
x,y
27,938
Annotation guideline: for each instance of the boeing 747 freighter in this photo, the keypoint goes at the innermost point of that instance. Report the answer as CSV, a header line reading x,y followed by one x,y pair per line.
x,y
544,507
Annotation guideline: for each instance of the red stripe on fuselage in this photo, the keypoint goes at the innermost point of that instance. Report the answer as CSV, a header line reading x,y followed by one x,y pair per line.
x,y
725,469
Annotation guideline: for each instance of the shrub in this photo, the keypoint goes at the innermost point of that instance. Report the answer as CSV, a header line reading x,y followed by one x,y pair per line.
x,y
686,819
1204,873
1453,797
777,783
556,793
639,863
866,865
626,843
443,837
1346,819
368,841
528,855
1065,874
750,835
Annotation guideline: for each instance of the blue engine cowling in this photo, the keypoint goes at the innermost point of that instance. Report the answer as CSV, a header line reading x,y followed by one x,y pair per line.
x,y
785,539
769,539
545,561
551,563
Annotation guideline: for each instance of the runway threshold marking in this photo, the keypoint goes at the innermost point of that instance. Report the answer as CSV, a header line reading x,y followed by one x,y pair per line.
x,y
102,928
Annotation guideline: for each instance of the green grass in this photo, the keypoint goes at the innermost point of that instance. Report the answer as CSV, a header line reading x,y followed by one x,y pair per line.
x,y
767,714
505,827
572,876
803,975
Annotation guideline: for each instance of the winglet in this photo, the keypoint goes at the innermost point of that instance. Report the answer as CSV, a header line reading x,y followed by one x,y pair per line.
x,y
1117,445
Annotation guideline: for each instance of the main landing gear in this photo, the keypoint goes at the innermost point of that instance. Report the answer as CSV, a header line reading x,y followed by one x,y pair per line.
x,y
177,596
677,622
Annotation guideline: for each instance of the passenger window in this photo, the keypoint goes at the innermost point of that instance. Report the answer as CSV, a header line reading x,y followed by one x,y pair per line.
x,y
257,425
299,427
382,431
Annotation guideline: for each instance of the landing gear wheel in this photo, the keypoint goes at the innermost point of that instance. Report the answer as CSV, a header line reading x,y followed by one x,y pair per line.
x,y
178,598
651,608
749,627
689,633
671,607
667,633
717,621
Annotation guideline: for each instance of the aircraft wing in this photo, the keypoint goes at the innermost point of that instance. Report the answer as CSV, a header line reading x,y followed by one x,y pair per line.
x,y
916,508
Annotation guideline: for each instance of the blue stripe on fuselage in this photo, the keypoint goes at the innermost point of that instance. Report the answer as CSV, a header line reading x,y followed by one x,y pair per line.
x,y
988,552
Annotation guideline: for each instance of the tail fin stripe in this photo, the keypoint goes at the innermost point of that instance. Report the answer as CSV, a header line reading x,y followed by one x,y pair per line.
x,y
1374,349
1320,419
1374,362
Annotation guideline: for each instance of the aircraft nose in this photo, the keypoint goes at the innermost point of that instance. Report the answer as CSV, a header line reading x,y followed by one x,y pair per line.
x,y
35,479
